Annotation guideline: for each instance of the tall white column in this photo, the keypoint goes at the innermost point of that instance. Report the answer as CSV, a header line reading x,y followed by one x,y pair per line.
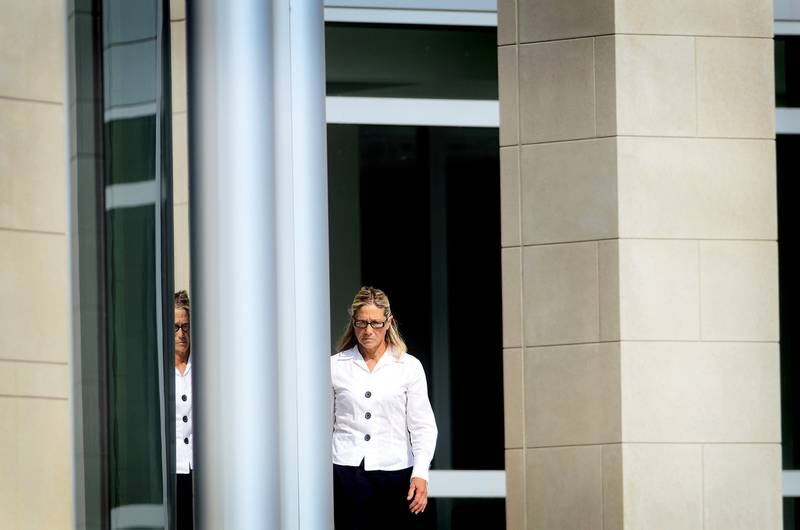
x,y
302,266
259,258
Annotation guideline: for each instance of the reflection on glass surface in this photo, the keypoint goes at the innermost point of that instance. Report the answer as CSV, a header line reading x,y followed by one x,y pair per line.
x,y
370,60
121,254
415,211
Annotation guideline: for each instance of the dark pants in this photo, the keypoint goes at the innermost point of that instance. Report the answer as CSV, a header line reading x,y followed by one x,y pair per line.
x,y
184,502
371,499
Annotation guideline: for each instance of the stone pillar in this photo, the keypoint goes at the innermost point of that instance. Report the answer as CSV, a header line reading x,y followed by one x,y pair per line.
x,y
35,457
640,287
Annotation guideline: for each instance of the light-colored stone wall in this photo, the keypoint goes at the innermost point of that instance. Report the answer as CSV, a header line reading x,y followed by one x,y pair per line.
x,y
640,285
35,476
180,157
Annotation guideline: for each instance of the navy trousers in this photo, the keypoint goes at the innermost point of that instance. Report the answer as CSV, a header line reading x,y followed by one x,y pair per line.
x,y
371,499
184,502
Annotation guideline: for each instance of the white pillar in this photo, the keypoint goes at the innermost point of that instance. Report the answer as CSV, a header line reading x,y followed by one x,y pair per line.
x,y
259,256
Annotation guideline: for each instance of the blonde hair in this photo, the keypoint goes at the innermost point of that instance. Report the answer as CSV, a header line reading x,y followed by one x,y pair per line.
x,y
182,302
372,296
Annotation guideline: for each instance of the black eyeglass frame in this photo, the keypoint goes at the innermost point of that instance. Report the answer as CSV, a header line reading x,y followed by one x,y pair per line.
x,y
185,327
374,324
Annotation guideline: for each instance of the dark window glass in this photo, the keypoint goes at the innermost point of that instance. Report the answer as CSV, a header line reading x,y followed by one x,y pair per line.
x,y
128,160
787,147
369,60
791,513
787,71
415,211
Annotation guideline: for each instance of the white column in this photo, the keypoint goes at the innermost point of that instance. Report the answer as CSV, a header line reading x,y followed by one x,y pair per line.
x,y
259,255
232,226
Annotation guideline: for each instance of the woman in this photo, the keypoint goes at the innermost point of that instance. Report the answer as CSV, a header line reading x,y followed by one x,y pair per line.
x,y
384,432
183,412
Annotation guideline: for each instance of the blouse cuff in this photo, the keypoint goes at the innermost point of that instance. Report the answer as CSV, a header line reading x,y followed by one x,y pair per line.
x,y
421,471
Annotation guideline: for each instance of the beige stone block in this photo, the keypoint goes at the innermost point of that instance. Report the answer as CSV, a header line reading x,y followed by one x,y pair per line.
x,y
742,487
32,166
613,488
506,22
659,290
565,488
180,236
655,80
556,91
663,486
739,290
32,37
515,489
735,88
541,20
697,188
514,398
44,480
178,55
180,159
508,92
561,294
509,197
572,395
700,392
569,191
177,10
731,18
605,89
512,297
33,291
9,464
25,379
608,277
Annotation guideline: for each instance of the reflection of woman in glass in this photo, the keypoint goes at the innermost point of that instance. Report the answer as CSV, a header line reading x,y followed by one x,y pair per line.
x,y
183,412
384,432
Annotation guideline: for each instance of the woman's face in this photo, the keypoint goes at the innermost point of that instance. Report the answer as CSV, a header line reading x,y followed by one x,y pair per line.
x,y
370,338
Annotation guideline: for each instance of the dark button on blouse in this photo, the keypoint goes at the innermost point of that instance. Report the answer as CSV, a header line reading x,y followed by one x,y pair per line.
x,y
186,419
368,415
186,440
367,394
184,398
367,437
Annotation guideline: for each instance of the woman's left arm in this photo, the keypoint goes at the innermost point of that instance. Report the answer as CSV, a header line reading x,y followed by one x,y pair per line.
x,y
420,422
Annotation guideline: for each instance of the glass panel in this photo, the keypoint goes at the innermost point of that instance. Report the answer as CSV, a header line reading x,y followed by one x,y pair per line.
x,y
791,511
787,71
121,248
128,160
370,60
787,147
415,211
133,383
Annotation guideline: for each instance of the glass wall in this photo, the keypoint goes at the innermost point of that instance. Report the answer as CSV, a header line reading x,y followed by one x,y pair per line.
x,y
121,252
787,145
415,210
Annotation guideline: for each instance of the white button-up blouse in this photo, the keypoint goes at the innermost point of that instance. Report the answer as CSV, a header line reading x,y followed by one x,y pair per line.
x,y
183,420
383,417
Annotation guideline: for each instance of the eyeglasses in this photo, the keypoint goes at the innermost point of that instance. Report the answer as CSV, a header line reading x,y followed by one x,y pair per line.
x,y
184,327
375,324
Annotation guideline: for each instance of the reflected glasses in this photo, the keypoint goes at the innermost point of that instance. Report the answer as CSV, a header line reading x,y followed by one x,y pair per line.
x,y
184,327
375,324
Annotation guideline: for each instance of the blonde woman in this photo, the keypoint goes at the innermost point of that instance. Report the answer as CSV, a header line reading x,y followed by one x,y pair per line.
x,y
384,432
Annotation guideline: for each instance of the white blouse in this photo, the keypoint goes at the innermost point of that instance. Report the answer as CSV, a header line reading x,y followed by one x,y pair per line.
x,y
383,417
183,420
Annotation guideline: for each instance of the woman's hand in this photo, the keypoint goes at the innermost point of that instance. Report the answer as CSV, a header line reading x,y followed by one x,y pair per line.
x,y
418,495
